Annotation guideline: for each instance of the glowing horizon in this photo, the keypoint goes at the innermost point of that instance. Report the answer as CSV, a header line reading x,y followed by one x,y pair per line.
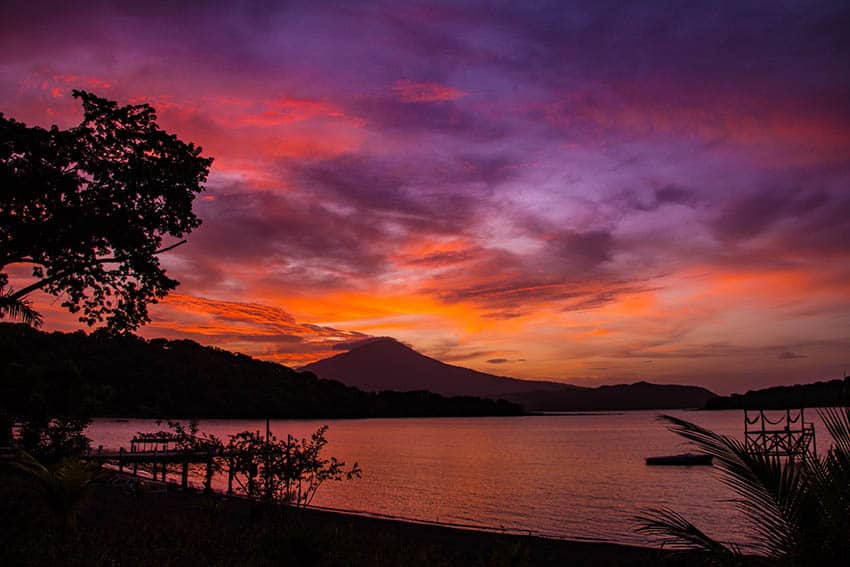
x,y
588,194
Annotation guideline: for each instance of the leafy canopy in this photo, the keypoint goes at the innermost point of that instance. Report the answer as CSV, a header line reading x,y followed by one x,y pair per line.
x,y
289,471
89,209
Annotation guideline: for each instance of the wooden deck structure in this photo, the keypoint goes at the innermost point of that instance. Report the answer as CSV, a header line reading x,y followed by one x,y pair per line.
x,y
785,436
158,450
162,452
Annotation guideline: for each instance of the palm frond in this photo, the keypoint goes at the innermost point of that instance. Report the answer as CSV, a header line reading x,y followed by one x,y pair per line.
x,y
833,486
798,510
674,529
63,487
837,422
29,465
771,493
18,309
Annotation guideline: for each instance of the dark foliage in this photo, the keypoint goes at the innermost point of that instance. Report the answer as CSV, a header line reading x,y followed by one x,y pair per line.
x,y
88,209
64,487
124,375
288,471
816,395
51,440
5,429
618,397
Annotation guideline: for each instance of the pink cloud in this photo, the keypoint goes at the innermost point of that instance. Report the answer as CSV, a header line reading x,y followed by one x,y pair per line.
x,y
413,91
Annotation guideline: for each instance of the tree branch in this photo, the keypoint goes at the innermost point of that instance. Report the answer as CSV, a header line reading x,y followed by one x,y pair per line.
x,y
23,292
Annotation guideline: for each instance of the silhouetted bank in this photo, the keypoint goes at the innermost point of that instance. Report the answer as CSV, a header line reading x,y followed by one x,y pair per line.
x,y
386,364
637,396
817,394
146,526
60,373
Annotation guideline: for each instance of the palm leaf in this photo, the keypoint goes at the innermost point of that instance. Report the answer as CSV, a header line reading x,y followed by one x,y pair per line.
x,y
63,487
831,478
837,422
771,493
798,511
18,309
673,528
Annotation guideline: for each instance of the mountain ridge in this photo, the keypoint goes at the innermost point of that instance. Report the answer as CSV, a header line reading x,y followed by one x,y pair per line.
x,y
361,367
388,364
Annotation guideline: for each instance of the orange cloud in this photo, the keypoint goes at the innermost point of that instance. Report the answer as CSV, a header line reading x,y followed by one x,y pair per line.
x,y
261,330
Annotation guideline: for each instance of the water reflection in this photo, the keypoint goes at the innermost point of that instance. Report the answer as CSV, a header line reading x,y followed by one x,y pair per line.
x,y
574,476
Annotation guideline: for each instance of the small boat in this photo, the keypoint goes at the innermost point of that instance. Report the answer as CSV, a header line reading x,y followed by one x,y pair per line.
x,y
683,460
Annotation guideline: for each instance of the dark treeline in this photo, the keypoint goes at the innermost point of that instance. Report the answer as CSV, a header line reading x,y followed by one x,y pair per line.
x,y
125,375
618,397
818,394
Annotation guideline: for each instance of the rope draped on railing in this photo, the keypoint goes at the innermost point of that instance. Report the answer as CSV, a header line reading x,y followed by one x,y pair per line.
x,y
163,437
787,418
780,440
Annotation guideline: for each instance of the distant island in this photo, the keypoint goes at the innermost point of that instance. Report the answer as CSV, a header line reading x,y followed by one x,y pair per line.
x,y
818,394
125,375
387,364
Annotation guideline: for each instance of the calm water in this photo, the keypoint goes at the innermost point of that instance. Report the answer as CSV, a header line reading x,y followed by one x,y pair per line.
x,y
576,476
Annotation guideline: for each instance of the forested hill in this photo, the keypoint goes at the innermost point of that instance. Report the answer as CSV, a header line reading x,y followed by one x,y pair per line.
x,y
637,396
59,373
817,394
386,363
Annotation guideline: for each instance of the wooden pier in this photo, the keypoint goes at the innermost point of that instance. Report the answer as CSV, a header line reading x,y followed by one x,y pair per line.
x,y
158,451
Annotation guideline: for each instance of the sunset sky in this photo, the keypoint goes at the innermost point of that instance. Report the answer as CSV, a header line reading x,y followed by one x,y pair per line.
x,y
597,193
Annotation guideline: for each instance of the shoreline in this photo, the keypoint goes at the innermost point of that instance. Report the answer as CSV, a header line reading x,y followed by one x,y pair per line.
x,y
567,413
548,550
173,487
156,523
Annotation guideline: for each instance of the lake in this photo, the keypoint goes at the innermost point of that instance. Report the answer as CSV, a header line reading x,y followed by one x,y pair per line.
x,y
567,476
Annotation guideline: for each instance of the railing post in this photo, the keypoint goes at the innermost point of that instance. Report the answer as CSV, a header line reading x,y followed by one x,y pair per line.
x,y
789,445
184,478
763,429
209,473
230,473
121,459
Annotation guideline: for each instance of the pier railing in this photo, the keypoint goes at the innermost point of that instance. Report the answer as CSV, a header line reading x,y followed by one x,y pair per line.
x,y
784,436
158,450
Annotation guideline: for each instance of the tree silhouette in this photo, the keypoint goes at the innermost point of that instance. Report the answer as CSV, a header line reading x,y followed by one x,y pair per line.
x,y
91,207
